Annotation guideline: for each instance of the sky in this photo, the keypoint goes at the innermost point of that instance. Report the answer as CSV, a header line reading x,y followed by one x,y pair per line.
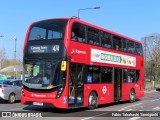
x,y
135,19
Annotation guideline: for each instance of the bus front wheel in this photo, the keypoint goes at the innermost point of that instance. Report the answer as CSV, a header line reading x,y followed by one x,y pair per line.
x,y
132,96
92,101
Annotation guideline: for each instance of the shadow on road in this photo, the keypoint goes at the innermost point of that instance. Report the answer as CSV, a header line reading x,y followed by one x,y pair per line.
x,y
52,109
157,88
116,103
73,110
6,102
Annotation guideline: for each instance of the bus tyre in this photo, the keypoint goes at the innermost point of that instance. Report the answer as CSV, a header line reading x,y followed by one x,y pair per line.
x,y
12,98
92,101
132,96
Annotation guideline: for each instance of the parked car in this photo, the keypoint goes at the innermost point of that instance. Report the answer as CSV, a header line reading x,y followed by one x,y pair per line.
x,y
2,77
10,90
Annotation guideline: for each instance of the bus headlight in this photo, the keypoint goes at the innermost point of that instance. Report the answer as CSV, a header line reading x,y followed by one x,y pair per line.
x,y
60,91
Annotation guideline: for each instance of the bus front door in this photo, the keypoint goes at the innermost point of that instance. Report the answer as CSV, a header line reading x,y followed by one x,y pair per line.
x,y
76,87
117,84
76,95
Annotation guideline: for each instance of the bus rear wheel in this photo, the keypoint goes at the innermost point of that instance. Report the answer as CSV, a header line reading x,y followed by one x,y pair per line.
x,y
132,96
92,101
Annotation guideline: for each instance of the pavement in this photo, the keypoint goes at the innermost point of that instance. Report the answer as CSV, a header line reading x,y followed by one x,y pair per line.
x,y
150,88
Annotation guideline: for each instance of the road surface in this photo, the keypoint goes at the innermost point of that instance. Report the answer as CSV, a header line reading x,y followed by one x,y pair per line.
x,y
151,102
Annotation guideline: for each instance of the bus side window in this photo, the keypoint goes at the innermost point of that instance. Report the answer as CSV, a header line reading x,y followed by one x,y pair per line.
x,y
106,74
73,36
78,32
131,76
93,74
124,45
125,75
106,40
137,75
138,49
82,34
93,36
117,43
130,47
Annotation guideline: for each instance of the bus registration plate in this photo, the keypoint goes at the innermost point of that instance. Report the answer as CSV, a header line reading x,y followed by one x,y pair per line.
x,y
38,103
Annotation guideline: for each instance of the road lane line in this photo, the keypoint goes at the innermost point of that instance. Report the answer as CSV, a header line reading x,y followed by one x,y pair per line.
x,y
93,116
13,109
156,108
130,106
155,100
134,118
129,110
118,110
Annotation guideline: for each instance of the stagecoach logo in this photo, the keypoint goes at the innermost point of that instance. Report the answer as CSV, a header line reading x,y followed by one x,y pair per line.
x,y
36,95
78,51
104,89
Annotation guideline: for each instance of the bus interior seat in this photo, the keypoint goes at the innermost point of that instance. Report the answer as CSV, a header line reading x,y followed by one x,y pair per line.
x,y
90,41
79,39
96,43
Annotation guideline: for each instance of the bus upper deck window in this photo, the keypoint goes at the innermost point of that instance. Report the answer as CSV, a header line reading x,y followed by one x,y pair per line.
x,y
73,36
78,32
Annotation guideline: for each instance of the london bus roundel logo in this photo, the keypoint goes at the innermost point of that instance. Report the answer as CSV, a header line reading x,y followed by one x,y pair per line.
x,y
104,89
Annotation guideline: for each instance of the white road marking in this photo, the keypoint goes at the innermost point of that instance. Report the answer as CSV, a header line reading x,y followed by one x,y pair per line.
x,y
118,110
156,108
129,110
13,109
130,106
93,116
155,100
134,118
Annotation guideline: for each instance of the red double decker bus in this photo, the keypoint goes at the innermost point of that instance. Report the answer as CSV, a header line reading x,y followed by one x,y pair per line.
x,y
71,63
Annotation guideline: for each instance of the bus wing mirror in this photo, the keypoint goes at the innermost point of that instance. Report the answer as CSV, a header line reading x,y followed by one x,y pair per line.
x,y
63,65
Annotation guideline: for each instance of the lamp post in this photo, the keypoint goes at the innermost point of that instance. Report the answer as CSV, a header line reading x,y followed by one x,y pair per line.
x,y
1,36
153,73
1,59
15,39
86,9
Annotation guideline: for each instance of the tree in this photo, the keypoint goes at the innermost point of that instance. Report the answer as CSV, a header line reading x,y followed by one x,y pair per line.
x,y
152,49
3,58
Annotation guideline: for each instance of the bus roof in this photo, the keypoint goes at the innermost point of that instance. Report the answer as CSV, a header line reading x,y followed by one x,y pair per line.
x,y
95,26
106,30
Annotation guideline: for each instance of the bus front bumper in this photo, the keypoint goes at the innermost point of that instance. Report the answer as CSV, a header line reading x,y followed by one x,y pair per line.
x,y
57,103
